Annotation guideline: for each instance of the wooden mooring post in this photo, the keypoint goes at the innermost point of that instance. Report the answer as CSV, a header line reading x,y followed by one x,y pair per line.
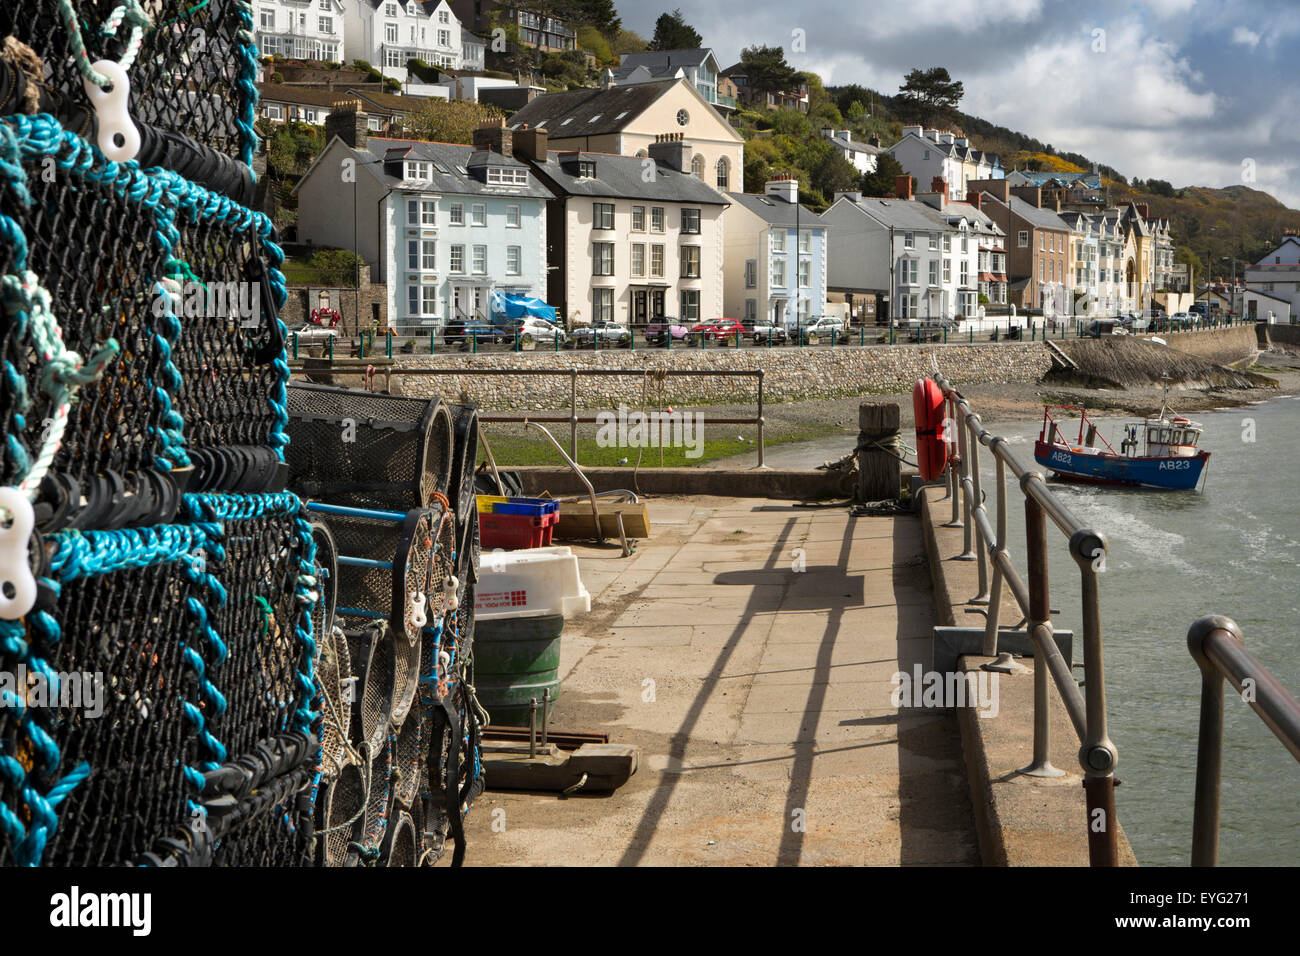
x,y
879,468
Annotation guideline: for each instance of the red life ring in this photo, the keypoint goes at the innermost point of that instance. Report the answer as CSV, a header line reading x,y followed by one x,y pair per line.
x,y
931,448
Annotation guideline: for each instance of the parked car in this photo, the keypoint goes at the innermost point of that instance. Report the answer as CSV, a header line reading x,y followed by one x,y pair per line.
x,y
717,329
312,334
658,330
600,333
1099,327
541,331
822,328
764,331
461,332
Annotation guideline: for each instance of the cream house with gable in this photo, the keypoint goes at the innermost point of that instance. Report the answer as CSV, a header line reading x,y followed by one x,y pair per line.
x,y
627,120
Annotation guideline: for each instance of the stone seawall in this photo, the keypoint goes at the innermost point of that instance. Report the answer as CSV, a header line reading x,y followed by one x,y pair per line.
x,y
1283,337
789,374
1223,346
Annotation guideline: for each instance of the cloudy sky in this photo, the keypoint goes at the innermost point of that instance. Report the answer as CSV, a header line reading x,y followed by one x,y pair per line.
x,y
1196,92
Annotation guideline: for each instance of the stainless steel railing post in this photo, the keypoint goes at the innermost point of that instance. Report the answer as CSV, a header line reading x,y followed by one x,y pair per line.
x,y
1040,630
990,648
967,548
981,546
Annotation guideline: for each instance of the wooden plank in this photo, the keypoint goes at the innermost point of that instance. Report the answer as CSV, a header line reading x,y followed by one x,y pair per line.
x,y
879,471
576,520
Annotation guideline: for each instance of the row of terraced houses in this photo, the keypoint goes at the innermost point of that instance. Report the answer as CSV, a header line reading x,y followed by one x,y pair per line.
x,y
625,203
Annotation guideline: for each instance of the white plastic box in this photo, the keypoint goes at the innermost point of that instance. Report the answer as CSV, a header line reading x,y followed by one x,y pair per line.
x,y
529,583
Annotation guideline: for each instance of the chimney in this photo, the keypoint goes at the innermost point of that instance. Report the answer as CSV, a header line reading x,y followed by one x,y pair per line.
x,y
1030,194
961,141
975,198
493,136
1144,209
939,185
946,138
784,187
932,135
671,150
828,133
846,134
914,131
348,122
999,188
851,197
531,144
874,141
903,187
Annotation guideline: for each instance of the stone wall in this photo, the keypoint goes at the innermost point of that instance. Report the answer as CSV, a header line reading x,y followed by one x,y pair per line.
x,y
1223,346
1285,338
789,374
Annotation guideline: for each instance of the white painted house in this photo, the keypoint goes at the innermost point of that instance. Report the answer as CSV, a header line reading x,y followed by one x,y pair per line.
x,y
861,155
300,29
927,154
441,225
389,33
1275,279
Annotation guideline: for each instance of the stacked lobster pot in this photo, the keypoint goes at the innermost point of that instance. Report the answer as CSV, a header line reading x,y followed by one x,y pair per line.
x,y
162,595
392,477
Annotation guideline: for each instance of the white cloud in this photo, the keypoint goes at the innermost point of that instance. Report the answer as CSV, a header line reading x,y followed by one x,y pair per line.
x,y
1246,37
1169,8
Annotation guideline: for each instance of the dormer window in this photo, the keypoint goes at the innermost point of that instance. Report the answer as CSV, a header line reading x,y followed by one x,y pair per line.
x,y
499,176
417,172
586,169
390,9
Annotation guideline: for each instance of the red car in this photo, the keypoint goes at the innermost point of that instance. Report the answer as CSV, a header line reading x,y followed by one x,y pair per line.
x,y
718,329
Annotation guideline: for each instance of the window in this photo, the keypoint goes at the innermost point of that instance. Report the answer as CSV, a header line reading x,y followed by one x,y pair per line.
x,y
638,218
909,240
602,215
480,260
444,38
586,167
603,304
751,273
965,273
512,217
603,259
805,241
778,240
691,222
478,214
805,310
947,243
1022,239
326,24
911,267
267,20
394,59
419,172
421,255
506,176
390,10
934,272
656,218
274,112
805,273
934,242
422,300
690,262
638,259
443,16
1042,243
514,258
751,309
374,124
777,273
947,271
690,305
657,262
456,214
965,243
697,166
390,32
458,260
723,170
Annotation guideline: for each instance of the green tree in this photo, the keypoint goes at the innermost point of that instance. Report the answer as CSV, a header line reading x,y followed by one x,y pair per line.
x,y
448,121
337,267
832,173
628,41
594,42
881,182
672,32
291,147
929,93
767,70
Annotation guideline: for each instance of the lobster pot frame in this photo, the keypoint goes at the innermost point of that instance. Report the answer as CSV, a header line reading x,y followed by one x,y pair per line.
x,y
370,650
368,450
195,72
378,795
408,761
401,845
108,242
466,454
337,691
340,807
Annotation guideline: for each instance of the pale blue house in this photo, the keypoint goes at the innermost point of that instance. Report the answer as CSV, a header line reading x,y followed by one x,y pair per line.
x,y
442,225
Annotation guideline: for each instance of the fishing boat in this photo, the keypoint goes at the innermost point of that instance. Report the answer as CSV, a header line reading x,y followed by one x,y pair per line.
x,y
1158,452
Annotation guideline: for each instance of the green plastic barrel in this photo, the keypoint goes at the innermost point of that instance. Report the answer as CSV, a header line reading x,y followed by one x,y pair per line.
x,y
516,659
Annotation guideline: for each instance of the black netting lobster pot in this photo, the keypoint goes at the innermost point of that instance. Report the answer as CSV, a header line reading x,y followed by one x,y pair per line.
x,y
194,74
326,586
337,690
167,289
370,650
462,495
359,448
409,747
401,843
340,815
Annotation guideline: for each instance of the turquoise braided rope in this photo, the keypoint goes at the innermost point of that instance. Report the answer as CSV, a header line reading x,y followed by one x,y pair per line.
x,y
246,48
307,594
173,452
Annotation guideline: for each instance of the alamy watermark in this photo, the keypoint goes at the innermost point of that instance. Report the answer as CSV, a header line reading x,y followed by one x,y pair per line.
x,y
653,429
211,300
78,690
929,689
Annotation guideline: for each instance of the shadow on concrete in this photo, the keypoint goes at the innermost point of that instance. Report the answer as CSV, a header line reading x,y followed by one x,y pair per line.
x,y
658,805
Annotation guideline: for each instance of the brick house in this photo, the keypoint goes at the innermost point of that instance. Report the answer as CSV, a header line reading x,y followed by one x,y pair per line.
x,y
1037,244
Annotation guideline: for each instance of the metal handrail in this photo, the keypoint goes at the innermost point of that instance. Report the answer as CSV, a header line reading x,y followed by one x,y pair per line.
x,y
573,374
982,543
1217,646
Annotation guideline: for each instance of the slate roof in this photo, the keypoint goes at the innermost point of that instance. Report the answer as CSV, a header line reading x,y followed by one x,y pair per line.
x,y
777,212
901,214
452,158
1042,218
590,112
854,145
621,177
662,62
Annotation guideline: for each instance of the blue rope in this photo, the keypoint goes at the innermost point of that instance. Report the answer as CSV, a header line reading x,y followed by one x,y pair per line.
x,y
246,49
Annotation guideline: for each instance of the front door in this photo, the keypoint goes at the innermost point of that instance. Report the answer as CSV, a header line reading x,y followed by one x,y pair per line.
x,y
657,302
457,301
640,303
